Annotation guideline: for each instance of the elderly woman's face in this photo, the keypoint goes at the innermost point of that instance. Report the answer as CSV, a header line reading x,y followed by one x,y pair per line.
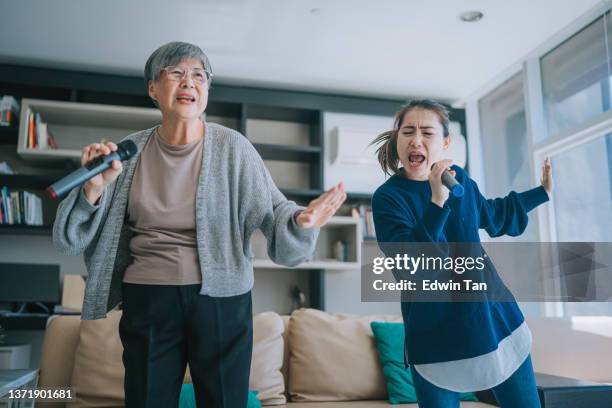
x,y
182,95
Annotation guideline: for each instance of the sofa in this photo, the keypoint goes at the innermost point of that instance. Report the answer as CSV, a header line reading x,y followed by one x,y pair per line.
x,y
311,359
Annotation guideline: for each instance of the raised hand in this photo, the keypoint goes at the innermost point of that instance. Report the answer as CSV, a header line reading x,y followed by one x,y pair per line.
x,y
322,208
547,180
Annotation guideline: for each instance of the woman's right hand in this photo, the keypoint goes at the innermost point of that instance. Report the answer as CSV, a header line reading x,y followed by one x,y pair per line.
x,y
439,192
94,188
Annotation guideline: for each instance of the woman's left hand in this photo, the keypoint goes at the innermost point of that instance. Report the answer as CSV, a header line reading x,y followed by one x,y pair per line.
x,y
322,208
547,179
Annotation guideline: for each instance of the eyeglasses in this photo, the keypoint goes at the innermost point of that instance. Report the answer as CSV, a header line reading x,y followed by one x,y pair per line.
x,y
198,75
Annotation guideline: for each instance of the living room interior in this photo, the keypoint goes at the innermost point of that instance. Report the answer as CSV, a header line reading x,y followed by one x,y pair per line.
x,y
310,85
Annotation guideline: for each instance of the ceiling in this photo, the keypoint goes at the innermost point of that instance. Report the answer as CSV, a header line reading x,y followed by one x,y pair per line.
x,y
392,48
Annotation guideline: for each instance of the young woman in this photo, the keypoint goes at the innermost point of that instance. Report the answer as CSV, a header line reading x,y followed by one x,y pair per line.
x,y
453,347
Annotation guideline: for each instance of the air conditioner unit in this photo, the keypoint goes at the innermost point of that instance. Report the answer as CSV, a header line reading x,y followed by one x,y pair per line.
x,y
352,147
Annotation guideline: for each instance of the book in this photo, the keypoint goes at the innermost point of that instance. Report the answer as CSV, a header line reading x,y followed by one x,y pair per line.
x,y
41,133
6,205
31,144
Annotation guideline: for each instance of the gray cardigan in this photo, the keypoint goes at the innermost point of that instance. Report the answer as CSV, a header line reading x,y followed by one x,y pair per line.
x,y
235,196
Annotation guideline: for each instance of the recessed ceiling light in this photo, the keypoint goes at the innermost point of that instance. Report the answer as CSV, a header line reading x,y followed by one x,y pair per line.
x,y
315,11
471,16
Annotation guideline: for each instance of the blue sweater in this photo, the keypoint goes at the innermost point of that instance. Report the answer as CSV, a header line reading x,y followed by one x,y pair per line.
x,y
403,212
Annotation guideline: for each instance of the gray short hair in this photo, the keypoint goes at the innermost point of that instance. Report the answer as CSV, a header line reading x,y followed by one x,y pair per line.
x,y
171,54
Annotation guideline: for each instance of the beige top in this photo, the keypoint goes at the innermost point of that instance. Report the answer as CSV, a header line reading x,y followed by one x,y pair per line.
x,y
161,213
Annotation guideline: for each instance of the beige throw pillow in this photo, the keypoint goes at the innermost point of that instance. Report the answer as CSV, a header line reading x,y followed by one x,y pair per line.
x,y
97,377
268,350
334,358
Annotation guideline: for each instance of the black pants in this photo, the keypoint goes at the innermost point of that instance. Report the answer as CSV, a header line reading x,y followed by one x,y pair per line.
x,y
165,327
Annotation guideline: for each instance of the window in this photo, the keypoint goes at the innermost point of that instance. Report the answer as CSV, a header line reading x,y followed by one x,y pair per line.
x,y
583,192
503,129
567,89
576,78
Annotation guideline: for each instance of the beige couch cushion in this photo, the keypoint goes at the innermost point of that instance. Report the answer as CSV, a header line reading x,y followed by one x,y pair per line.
x,y
58,352
334,358
97,377
98,369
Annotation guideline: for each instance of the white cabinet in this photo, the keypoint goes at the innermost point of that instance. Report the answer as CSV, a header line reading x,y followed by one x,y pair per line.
x,y
14,357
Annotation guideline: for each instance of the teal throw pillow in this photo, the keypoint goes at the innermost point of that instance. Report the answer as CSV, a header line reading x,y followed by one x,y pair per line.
x,y
390,343
187,398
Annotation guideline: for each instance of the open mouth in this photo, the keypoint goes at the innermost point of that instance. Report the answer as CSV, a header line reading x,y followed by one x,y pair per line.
x,y
415,159
185,99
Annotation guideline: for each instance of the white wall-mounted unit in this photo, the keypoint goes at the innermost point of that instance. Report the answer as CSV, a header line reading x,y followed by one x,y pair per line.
x,y
351,146
348,156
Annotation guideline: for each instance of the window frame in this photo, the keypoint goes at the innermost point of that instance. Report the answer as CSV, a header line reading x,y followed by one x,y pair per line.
x,y
530,68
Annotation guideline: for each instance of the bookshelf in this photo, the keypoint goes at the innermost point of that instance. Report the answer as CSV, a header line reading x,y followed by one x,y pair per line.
x,y
290,143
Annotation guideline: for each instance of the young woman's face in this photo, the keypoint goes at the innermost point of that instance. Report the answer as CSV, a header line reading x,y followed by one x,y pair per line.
x,y
420,142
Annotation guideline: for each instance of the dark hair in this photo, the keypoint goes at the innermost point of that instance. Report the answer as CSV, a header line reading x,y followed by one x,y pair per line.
x,y
387,151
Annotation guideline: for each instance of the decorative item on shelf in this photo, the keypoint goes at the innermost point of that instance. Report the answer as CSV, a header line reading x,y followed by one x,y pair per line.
x,y
341,251
20,208
9,110
298,297
6,168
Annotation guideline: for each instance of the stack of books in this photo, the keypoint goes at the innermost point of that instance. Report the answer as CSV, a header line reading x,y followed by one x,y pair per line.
x,y
38,135
20,208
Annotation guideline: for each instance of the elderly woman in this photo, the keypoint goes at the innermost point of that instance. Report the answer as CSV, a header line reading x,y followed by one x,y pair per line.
x,y
167,234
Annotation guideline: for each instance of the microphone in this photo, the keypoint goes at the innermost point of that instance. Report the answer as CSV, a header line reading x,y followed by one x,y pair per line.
x,y
125,150
452,184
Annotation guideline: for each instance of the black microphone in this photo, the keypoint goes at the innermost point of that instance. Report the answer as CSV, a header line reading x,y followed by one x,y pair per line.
x,y
452,184
125,150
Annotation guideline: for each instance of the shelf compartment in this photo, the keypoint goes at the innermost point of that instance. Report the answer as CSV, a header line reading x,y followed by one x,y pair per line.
x,y
280,132
346,229
75,125
288,152
8,134
281,113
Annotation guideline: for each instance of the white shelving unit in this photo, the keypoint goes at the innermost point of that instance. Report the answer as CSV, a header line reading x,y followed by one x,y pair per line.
x,y
75,125
347,229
